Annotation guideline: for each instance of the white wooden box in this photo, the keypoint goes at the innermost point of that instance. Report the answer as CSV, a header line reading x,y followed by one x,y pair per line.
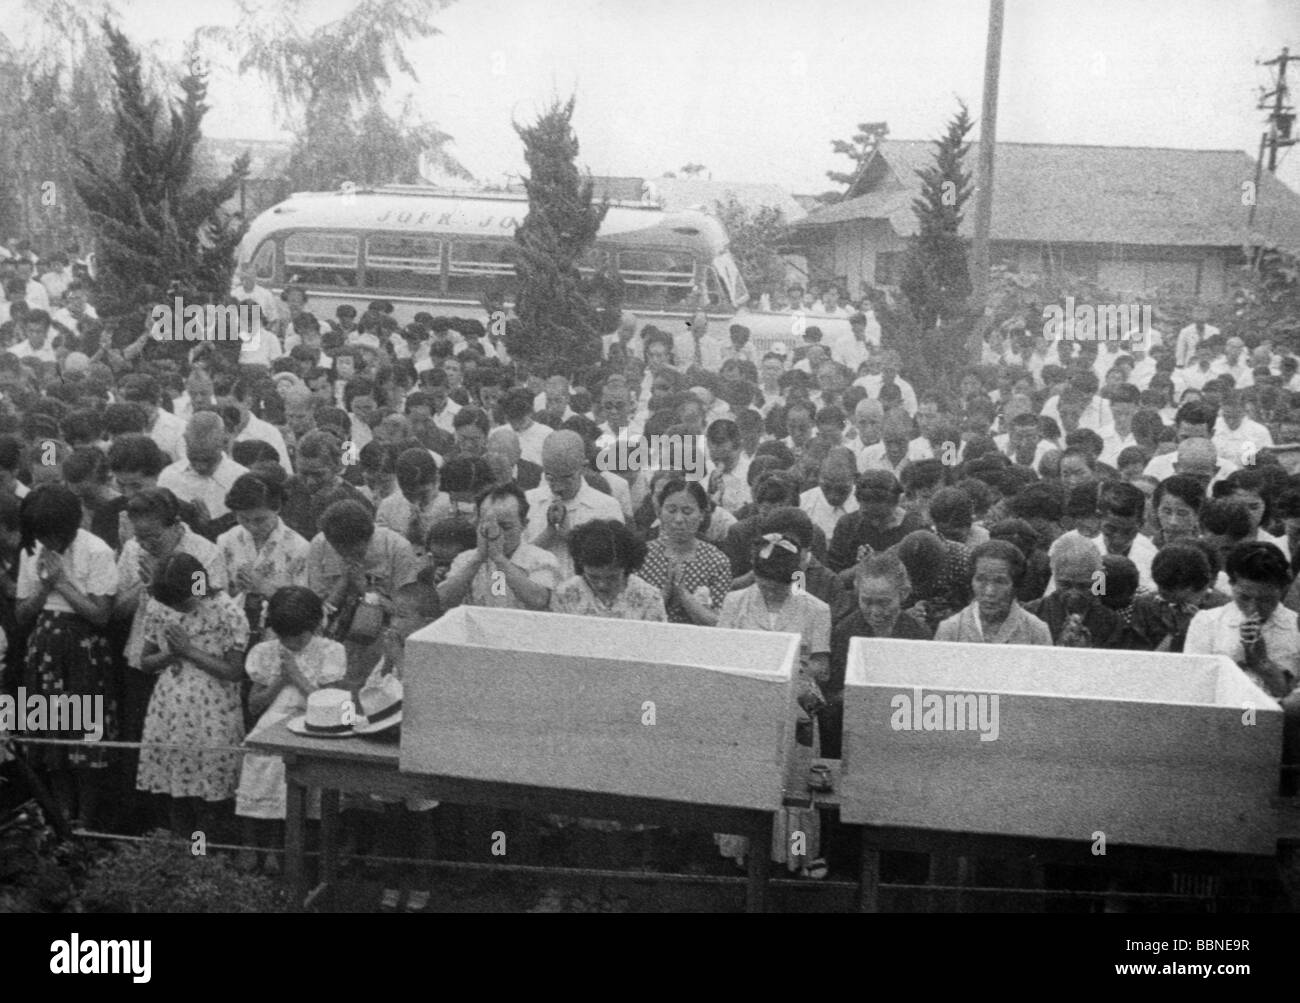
x,y
1150,749
551,700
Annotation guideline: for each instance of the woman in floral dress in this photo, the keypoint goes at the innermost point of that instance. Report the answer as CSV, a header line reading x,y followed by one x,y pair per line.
x,y
66,581
605,554
194,638
693,576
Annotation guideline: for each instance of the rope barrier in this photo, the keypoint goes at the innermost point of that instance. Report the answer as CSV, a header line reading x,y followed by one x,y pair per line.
x,y
82,743
672,877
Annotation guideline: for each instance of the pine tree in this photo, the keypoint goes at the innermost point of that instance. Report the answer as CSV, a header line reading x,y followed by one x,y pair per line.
x,y
562,317
156,231
936,279
859,149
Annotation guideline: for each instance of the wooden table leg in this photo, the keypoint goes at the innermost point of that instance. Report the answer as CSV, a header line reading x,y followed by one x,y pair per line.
x,y
294,842
869,884
329,840
760,864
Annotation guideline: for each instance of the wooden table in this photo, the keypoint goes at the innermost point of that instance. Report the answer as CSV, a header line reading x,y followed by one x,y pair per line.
x,y
370,767
948,846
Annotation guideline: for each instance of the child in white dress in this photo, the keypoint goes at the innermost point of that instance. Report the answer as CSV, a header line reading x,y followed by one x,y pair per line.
x,y
284,671
778,601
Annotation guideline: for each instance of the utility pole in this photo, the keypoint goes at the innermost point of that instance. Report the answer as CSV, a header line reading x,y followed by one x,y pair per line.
x,y
988,142
1281,118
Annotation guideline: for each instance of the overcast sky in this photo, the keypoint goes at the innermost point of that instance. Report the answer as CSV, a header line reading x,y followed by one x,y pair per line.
x,y
756,89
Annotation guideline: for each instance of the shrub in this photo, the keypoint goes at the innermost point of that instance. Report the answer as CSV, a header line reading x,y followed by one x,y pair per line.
x,y
161,875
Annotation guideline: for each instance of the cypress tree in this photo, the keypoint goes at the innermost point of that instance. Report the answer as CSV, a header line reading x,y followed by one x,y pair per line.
x,y
157,233
561,315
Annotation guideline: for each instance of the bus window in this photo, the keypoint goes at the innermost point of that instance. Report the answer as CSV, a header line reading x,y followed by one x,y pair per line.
x,y
321,259
264,261
480,266
403,264
656,278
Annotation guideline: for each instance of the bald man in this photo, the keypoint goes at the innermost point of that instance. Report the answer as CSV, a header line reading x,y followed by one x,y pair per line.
x,y
1199,458
564,500
832,498
505,457
1074,613
868,416
206,473
896,448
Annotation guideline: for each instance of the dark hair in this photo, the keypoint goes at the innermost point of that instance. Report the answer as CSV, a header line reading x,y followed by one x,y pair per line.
x,y
472,416
50,510
792,522
125,417
1225,517
1000,550
456,532
175,579
723,430
87,463
252,491
499,492
1258,562
922,474
1132,454
294,609
347,522
778,486
155,503
1016,532
1124,501
952,505
1042,500
137,454
1186,488
1122,580
603,543
416,468
252,451
1181,566
1195,413
673,485
1248,479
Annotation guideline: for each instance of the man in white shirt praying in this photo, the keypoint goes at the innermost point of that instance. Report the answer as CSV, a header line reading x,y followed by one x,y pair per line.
x,y
833,497
206,475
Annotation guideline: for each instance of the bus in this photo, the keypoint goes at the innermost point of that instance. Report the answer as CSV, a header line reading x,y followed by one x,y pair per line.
x,y
424,249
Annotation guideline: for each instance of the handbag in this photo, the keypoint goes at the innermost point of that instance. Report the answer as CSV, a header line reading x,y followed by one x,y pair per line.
x,y
367,623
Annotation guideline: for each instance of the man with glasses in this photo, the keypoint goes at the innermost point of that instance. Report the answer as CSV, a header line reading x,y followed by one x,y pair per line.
x,y
564,500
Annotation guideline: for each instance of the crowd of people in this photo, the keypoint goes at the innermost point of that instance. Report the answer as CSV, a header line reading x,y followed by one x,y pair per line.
x,y
204,534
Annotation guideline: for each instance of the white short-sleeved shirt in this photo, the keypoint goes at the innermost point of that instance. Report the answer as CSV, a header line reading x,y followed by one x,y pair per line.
x,y
539,565
182,481
89,564
802,613
587,505
1218,632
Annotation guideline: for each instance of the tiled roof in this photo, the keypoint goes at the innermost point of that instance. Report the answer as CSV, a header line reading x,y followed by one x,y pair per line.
x,y
1095,194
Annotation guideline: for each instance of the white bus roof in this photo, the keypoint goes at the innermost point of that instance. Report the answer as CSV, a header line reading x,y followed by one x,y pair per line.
x,y
464,214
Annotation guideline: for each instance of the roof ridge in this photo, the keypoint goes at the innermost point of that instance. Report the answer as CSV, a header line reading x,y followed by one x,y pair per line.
x,y
1084,146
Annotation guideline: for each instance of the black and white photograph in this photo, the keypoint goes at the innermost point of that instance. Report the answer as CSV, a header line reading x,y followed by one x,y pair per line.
x,y
592,457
